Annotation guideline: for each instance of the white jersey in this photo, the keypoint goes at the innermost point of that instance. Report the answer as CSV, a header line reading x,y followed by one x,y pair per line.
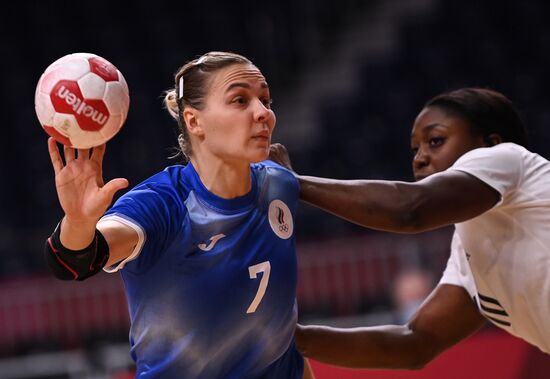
x,y
502,257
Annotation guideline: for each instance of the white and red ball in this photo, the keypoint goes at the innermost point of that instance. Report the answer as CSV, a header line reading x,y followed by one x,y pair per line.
x,y
82,100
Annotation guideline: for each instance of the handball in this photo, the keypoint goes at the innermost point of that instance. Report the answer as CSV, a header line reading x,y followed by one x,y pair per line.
x,y
81,100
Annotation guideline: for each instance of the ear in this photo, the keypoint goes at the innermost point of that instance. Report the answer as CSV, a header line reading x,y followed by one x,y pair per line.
x,y
191,117
492,139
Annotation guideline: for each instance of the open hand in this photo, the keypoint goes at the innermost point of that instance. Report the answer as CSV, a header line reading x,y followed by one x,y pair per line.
x,y
79,182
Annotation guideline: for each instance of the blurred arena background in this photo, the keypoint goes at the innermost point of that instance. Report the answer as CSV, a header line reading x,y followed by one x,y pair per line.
x,y
347,77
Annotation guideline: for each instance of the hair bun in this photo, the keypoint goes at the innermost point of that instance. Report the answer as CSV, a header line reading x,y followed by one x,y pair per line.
x,y
171,103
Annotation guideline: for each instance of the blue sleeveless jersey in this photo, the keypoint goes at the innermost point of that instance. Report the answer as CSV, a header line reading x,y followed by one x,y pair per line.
x,y
211,286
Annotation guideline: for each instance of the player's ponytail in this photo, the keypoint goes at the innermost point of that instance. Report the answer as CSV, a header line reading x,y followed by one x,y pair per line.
x,y
171,103
172,106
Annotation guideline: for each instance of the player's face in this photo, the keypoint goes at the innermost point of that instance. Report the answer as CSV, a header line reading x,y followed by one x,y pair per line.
x,y
238,121
438,139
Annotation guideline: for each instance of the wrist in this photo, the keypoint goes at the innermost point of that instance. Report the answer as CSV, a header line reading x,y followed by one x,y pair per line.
x,y
74,222
76,234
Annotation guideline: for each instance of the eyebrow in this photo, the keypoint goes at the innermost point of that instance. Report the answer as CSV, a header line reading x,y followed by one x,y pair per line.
x,y
244,85
428,128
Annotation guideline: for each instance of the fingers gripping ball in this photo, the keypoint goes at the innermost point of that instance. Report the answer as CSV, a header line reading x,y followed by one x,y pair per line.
x,y
81,100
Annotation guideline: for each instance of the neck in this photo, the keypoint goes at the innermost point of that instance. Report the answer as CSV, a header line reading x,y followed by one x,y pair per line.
x,y
227,180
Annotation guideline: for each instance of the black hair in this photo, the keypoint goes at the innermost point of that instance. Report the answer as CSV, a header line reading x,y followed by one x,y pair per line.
x,y
486,110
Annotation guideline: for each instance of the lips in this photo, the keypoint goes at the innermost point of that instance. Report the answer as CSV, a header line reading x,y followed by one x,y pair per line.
x,y
261,136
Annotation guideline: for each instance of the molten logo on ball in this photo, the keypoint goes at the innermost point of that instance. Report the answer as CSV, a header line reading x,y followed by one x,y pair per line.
x,y
82,100
66,98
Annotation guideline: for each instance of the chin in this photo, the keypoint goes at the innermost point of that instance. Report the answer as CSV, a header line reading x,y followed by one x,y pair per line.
x,y
259,156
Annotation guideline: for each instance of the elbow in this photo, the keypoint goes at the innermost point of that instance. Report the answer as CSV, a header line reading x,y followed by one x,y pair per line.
x,y
415,351
58,269
424,358
62,276
416,360
69,266
419,363
405,360
424,352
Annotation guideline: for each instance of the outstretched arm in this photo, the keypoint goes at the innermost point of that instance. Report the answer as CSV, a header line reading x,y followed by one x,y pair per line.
x,y
447,316
441,199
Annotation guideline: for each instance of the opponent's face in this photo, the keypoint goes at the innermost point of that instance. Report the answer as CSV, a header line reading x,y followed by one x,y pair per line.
x,y
438,139
237,120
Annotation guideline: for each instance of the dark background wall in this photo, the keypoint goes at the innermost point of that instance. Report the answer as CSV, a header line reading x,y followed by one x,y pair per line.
x,y
348,78
147,41
362,133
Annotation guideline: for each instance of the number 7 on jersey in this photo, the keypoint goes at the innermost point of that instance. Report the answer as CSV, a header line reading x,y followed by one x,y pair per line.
x,y
253,271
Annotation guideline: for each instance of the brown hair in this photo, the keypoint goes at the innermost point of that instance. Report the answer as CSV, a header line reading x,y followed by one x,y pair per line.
x,y
190,88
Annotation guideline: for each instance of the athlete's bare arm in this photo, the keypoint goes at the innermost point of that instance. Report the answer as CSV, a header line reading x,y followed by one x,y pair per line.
x,y
84,198
447,316
441,199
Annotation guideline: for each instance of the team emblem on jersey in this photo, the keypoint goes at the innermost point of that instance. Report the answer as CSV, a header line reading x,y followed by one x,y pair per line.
x,y
280,219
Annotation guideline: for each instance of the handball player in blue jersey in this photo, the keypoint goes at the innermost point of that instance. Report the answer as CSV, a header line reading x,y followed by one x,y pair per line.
x,y
206,250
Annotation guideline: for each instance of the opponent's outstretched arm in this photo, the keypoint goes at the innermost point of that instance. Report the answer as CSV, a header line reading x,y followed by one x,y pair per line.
x,y
447,316
441,199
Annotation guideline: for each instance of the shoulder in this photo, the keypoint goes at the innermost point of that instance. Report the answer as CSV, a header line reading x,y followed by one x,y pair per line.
x,y
273,168
501,167
276,183
171,179
496,162
504,154
274,171
166,187
171,176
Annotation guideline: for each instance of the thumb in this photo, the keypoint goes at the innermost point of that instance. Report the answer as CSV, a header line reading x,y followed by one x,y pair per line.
x,y
115,185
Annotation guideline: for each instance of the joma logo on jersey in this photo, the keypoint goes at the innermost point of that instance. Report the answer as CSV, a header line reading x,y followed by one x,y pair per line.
x,y
213,241
280,219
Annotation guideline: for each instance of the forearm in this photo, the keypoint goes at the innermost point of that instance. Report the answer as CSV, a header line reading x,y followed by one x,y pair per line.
x,y
439,200
446,317
383,205
389,347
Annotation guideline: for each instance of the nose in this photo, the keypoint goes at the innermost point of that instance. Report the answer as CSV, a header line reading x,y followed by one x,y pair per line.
x,y
262,114
420,160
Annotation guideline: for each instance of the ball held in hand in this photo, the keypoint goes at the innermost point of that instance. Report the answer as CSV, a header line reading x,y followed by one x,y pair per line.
x,y
82,100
